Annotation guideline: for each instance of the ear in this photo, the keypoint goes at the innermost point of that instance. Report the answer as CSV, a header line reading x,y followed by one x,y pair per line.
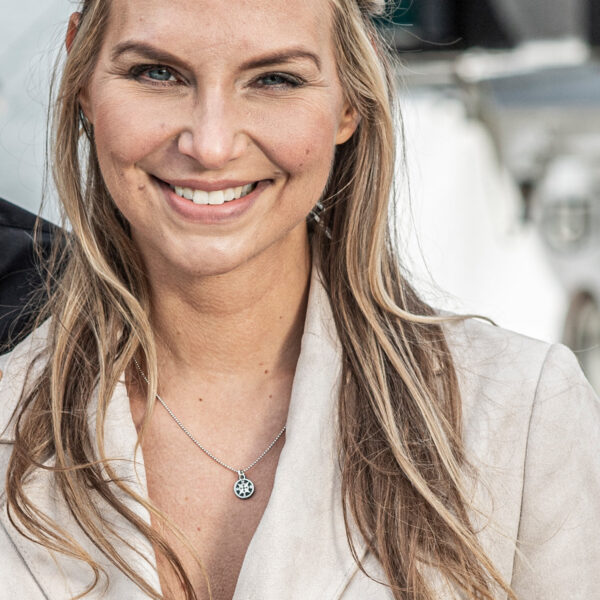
x,y
348,124
74,20
72,29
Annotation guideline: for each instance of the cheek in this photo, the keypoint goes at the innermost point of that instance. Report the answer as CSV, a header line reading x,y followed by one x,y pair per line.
x,y
303,149
123,137
302,142
124,133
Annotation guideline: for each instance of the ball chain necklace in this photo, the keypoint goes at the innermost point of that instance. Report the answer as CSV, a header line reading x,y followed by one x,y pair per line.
x,y
243,487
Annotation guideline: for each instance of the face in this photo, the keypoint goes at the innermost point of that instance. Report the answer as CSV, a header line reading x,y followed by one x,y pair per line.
x,y
216,125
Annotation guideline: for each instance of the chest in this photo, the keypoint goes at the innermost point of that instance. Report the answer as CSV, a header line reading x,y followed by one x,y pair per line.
x,y
196,495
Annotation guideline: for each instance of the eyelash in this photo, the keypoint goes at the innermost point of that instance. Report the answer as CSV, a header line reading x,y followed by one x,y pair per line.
x,y
291,81
288,81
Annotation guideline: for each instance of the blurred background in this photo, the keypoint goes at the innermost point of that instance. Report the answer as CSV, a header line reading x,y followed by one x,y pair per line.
x,y
499,181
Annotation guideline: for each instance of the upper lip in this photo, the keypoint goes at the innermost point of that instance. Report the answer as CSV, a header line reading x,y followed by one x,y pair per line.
x,y
208,185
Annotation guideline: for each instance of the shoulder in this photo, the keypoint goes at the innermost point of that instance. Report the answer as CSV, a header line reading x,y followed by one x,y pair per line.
x,y
16,369
505,376
497,364
16,218
484,353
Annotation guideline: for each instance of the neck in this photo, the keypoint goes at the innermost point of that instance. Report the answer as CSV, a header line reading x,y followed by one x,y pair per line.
x,y
246,323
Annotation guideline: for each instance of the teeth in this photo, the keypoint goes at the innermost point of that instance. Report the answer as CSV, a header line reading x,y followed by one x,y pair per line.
x,y
218,197
200,197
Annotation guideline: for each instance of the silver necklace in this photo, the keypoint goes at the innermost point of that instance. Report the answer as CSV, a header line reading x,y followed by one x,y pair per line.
x,y
243,488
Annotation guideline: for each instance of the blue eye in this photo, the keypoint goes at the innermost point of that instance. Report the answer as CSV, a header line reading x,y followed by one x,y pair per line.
x,y
153,74
159,74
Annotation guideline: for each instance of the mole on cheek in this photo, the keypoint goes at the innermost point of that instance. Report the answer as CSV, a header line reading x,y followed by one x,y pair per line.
x,y
307,151
141,187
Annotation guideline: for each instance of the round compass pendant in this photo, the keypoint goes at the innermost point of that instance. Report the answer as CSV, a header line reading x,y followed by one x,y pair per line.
x,y
243,488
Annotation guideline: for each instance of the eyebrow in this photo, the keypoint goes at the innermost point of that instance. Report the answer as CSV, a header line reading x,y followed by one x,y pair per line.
x,y
144,49
268,60
276,58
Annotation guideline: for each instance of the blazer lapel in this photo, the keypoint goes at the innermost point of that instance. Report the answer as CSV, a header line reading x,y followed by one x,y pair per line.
x,y
60,577
299,549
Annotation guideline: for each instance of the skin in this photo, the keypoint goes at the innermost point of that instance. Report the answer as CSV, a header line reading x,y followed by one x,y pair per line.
x,y
228,295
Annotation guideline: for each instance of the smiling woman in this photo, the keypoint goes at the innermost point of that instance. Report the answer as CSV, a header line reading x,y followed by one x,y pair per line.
x,y
233,391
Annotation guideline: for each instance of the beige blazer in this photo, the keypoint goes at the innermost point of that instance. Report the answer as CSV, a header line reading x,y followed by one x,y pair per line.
x,y
532,428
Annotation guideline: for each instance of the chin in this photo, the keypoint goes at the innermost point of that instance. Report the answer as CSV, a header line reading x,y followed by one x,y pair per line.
x,y
210,263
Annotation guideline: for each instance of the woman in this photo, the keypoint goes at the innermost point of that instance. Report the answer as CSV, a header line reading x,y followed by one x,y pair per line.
x,y
318,431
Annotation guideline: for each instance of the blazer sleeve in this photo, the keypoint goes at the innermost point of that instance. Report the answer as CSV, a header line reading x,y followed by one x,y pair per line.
x,y
558,549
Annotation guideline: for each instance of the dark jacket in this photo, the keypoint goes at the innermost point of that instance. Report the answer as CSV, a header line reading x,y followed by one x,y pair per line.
x,y
21,273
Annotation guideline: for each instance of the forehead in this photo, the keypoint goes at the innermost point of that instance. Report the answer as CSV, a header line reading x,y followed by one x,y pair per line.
x,y
215,25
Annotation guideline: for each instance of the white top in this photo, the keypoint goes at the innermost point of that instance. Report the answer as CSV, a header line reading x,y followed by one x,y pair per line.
x,y
532,429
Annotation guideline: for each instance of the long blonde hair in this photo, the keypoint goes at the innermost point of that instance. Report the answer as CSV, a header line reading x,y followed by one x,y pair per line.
x,y
401,476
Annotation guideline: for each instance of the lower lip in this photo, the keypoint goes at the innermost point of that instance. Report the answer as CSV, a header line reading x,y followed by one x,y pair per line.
x,y
211,213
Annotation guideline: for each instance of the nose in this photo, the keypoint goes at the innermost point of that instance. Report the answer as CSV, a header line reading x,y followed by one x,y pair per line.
x,y
214,135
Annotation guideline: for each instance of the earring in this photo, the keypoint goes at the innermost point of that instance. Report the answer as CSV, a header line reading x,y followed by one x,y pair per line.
x,y
315,216
85,127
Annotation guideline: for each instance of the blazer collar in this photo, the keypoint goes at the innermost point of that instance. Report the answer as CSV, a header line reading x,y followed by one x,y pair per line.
x,y
299,549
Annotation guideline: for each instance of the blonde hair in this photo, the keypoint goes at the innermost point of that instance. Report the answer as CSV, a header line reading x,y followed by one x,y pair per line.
x,y
400,439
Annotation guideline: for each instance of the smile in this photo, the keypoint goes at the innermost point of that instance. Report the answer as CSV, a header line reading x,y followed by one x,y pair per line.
x,y
216,197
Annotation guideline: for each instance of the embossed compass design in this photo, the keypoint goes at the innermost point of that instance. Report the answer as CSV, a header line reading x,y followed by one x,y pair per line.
x,y
243,487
